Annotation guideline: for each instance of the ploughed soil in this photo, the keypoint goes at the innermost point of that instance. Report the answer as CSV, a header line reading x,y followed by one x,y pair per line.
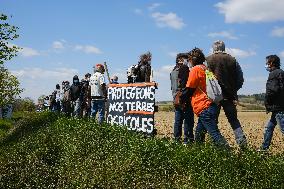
x,y
253,124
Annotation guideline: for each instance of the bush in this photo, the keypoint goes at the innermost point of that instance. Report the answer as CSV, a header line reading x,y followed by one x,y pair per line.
x,y
25,104
49,151
5,126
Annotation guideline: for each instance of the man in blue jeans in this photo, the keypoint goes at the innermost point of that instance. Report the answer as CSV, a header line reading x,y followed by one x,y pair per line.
x,y
230,77
98,92
183,112
274,98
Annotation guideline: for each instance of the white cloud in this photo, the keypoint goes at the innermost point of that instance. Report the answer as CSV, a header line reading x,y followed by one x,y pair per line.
x,y
25,51
138,11
239,53
163,72
154,6
253,85
38,81
39,73
172,54
282,54
251,10
28,52
88,49
167,68
162,77
260,79
170,20
278,32
223,34
58,45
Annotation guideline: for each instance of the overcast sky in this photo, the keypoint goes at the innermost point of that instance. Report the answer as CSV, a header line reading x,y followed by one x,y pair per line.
x,y
64,38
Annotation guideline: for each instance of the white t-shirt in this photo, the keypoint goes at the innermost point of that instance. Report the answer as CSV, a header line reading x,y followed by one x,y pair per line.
x,y
96,82
58,95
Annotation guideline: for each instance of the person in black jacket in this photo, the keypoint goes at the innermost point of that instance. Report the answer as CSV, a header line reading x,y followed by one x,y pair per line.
x,y
76,96
183,112
230,77
86,96
274,98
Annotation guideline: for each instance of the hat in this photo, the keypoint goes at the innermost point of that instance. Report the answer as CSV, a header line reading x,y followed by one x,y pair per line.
x,y
98,65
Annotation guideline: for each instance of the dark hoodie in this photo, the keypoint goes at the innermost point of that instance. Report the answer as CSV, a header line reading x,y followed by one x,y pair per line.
x,y
75,89
274,97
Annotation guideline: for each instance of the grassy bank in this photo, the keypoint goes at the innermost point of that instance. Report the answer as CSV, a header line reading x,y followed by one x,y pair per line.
x,y
49,151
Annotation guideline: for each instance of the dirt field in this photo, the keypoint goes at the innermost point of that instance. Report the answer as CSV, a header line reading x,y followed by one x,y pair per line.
x,y
253,125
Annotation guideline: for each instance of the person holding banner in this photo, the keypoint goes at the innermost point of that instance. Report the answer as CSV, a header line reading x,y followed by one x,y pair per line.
x,y
98,92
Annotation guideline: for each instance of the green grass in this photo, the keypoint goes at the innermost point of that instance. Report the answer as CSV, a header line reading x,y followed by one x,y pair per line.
x,y
5,126
49,151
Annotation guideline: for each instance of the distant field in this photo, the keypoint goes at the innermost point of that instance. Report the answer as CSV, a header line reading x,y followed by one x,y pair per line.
x,y
253,124
243,106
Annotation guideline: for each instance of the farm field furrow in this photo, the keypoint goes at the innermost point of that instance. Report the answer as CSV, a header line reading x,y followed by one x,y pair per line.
x,y
253,125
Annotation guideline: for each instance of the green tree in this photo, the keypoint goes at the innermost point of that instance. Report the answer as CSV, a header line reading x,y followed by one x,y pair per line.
x,y
40,99
9,84
7,34
9,87
26,104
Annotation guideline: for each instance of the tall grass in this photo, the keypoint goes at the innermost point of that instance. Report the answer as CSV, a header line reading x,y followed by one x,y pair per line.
x,y
49,151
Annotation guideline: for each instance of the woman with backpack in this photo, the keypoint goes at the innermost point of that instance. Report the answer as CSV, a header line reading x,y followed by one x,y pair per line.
x,y
203,107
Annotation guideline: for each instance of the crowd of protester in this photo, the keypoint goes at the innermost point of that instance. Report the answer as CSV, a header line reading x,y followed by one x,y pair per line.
x,y
84,98
189,85
88,97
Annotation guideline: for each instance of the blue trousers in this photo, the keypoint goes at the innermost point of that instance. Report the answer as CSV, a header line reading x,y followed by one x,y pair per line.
x,y
185,116
276,117
98,106
207,123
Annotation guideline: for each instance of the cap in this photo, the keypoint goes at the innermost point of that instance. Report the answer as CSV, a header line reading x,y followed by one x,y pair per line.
x,y
98,65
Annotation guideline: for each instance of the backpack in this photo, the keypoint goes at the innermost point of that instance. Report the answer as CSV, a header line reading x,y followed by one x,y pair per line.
x,y
213,89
